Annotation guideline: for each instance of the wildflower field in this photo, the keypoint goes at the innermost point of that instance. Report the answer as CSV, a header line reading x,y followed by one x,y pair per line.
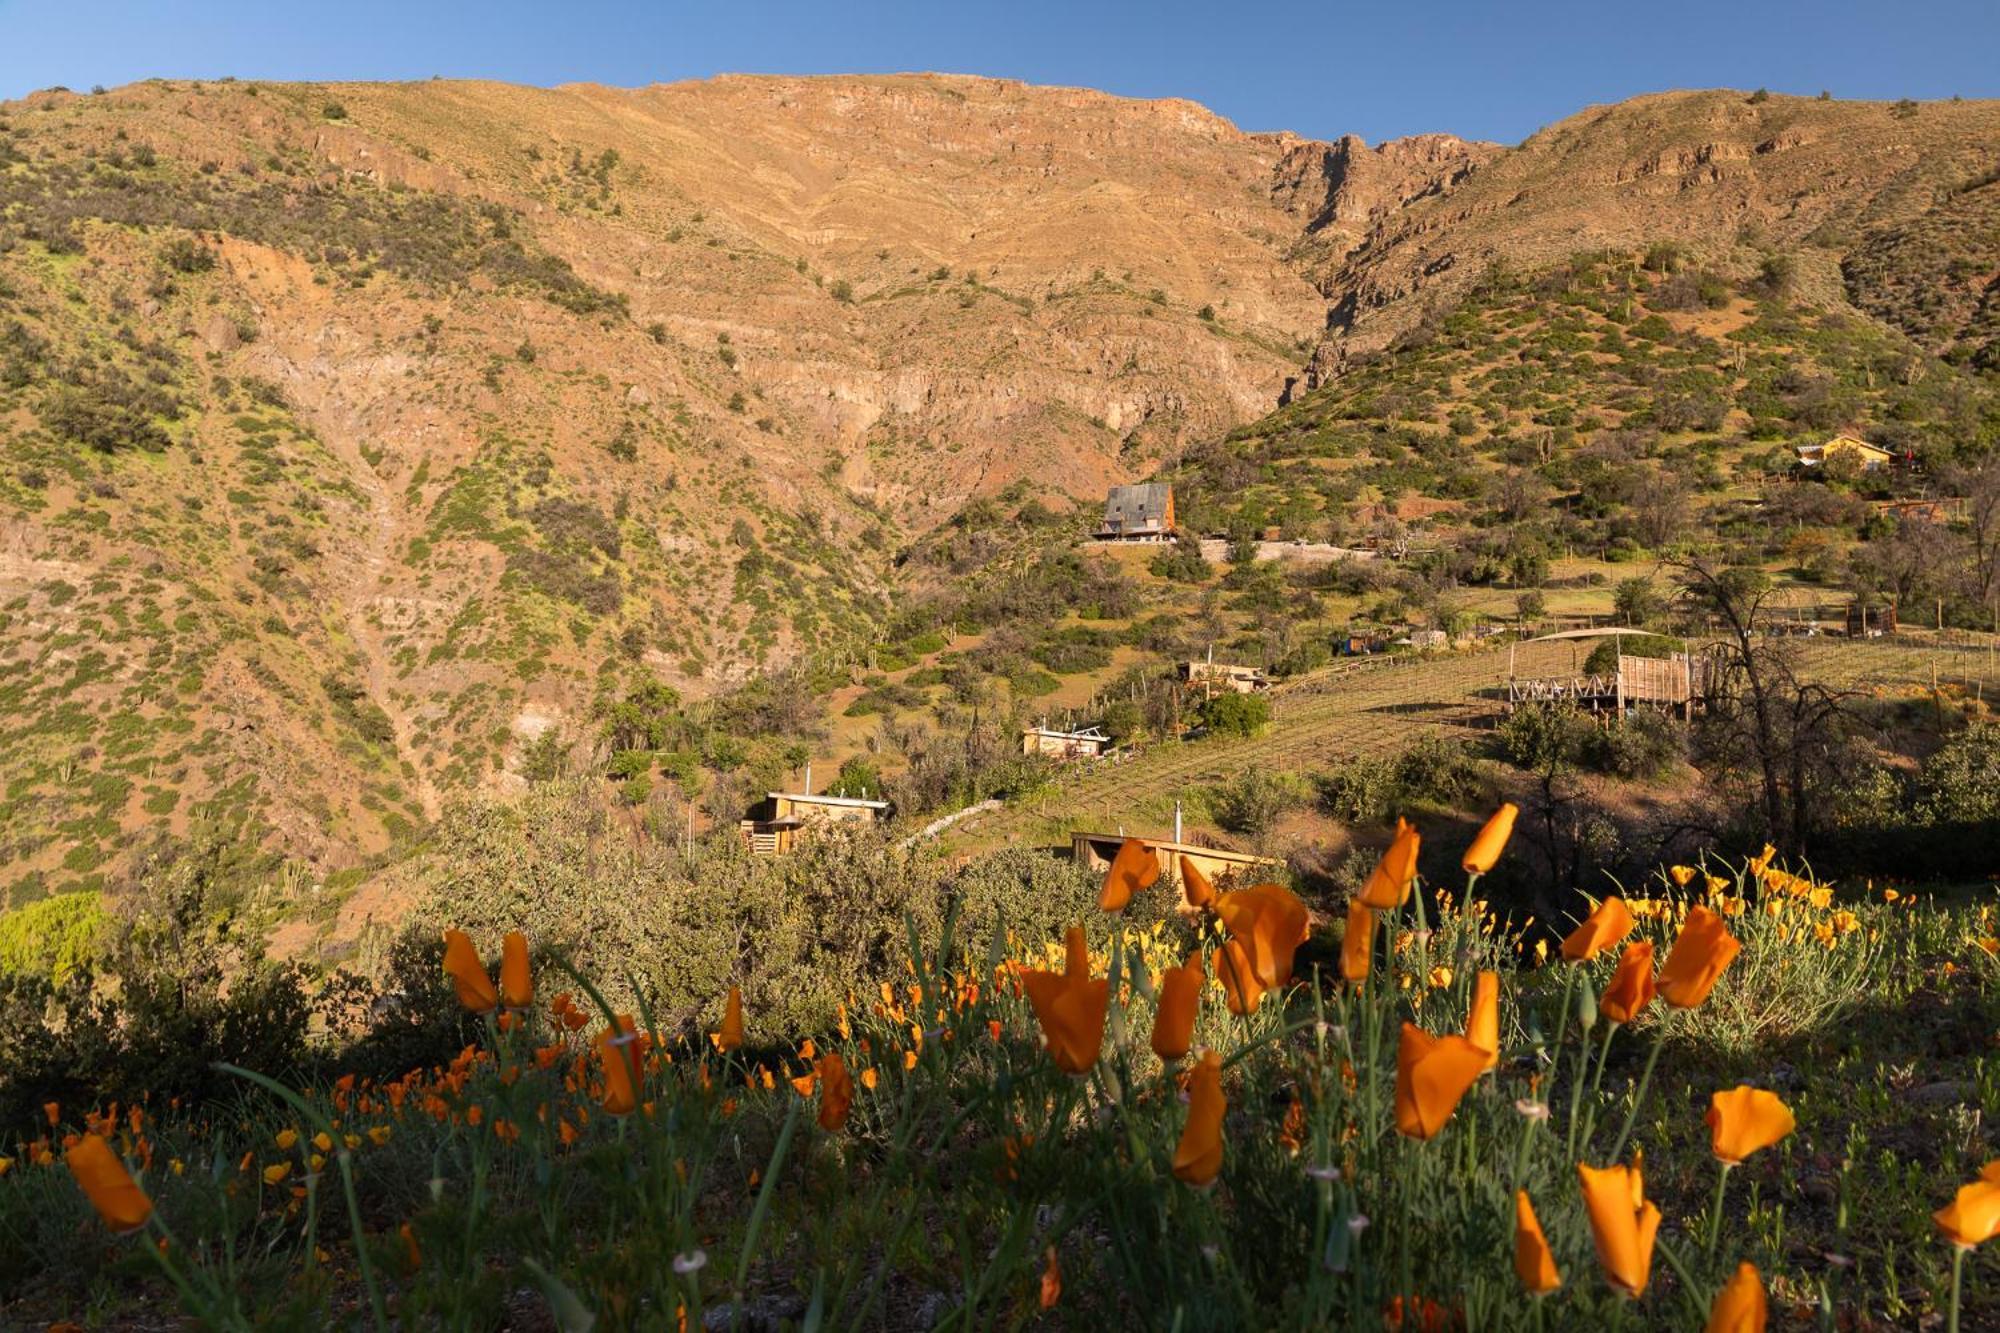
x,y
1733,1098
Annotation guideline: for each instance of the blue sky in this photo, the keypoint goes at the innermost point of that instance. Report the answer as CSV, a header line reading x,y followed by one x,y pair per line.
x,y
1493,70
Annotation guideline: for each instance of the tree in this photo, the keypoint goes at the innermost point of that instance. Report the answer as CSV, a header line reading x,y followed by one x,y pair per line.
x,y
1762,716
1981,488
1530,605
1549,741
1659,508
1637,600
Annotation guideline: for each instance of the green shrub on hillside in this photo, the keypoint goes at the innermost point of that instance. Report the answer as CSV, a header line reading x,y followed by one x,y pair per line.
x,y
52,938
1235,714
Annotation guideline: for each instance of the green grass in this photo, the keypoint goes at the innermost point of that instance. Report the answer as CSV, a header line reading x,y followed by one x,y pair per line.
x,y
969,1164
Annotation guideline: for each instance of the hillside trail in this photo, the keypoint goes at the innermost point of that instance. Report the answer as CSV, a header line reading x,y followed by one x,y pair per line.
x,y
367,583
363,583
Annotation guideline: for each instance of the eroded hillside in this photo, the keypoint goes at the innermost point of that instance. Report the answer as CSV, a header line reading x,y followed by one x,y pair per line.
x,y
360,439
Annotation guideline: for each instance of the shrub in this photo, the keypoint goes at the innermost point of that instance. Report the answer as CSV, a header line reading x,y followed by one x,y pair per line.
x,y
52,938
1253,801
1235,714
185,254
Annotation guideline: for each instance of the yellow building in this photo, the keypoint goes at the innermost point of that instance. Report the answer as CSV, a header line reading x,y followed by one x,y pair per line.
x,y
1869,456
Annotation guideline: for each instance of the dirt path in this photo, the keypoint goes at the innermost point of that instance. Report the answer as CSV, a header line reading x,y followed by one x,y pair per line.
x,y
368,581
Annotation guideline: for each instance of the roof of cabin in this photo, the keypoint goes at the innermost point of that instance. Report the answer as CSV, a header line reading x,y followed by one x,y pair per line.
x,y
1136,504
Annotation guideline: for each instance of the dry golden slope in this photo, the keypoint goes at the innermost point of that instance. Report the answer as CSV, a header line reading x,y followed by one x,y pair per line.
x,y
425,495
1716,171
495,397
1066,208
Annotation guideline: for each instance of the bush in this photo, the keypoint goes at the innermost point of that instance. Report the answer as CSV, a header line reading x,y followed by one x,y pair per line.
x,y
185,254
1182,562
1235,714
1253,801
52,938
1960,784
1435,771
1645,744
799,932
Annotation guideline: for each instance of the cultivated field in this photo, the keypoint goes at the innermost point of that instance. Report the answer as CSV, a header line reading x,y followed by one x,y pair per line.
x,y
1377,706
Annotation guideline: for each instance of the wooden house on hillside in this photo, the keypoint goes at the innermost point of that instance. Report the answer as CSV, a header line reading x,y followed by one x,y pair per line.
x,y
1053,743
1869,457
1138,514
776,823
1213,677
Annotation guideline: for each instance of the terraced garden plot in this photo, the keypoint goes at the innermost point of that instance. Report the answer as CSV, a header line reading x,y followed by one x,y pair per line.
x,y
1378,706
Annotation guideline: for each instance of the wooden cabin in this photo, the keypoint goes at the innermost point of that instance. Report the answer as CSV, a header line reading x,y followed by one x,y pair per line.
x,y
775,824
1086,743
1093,851
1224,678
1142,513
1869,456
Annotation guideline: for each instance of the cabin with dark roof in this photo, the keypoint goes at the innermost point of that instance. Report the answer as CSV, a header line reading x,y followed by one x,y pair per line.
x,y
1142,513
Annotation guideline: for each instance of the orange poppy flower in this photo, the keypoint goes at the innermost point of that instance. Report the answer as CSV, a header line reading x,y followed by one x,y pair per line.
x,y
468,974
1745,1119
102,1176
1357,946
730,1036
1485,850
1604,927
1076,954
1973,1216
1632,986
1070,1007
517,982
1704,948
1534,1264
413,1257
1622,1223
1134,868
1198,1158
1051,1280
1241,991
1389,883
1740,1306
836,1091
1272,923
1682,876
1482,1023
1195,885
618,1050
1432,1074
1180,1002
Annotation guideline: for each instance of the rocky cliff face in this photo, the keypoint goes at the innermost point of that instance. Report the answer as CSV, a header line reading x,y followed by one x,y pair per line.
x,y
1726,177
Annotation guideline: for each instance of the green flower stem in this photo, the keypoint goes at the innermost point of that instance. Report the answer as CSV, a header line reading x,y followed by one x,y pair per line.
x,y
1639,1095
375,1305
1957,1286
1715,1209
1576,1095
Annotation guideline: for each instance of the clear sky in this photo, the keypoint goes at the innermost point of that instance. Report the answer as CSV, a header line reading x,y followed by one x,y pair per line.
x,y
1495,69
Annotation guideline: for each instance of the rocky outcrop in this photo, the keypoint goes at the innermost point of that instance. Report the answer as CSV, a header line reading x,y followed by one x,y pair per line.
x,y
1346,184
